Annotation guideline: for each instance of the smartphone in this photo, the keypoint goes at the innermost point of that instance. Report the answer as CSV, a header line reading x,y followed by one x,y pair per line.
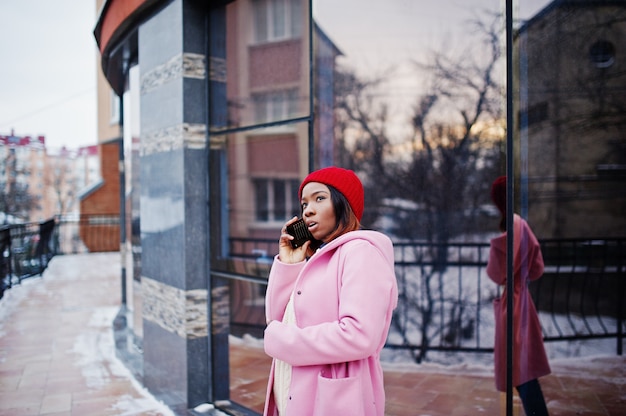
x,y
300,232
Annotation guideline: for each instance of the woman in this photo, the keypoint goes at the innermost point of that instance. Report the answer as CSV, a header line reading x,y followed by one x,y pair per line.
x,y
529,356
329,309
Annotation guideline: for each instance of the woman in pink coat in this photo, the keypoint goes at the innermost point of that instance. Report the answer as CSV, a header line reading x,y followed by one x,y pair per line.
x,y
328,306
529,357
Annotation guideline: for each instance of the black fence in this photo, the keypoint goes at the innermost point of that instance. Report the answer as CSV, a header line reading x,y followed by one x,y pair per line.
x,y
26,249
584,284
88,234
446,297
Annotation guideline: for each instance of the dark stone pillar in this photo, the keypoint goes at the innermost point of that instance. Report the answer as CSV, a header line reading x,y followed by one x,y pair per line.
x,y
174,201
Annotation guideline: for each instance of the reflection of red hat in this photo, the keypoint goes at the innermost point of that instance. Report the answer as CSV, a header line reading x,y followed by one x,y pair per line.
x,y
343,180
498,194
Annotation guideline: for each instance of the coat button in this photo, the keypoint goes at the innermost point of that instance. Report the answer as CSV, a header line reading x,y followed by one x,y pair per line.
x,y
299,292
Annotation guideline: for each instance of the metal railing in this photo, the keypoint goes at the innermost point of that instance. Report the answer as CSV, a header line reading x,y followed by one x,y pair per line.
x,y
445,295
26,249
584,284
88,234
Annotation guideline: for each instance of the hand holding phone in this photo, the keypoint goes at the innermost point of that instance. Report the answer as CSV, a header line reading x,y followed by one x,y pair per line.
x,y
300,232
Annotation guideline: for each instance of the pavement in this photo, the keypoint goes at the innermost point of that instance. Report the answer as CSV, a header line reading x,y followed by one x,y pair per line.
x,y
57,357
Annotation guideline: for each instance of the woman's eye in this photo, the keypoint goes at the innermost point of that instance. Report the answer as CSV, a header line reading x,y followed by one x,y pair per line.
x,y
320,198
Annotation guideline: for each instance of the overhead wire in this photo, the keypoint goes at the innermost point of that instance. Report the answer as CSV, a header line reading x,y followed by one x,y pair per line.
x,y
7,123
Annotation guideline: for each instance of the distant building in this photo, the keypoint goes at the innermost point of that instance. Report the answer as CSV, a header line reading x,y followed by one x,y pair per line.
x,y
50,178
55,179
572,119
87,167
273,86
100,203
23,162
61,187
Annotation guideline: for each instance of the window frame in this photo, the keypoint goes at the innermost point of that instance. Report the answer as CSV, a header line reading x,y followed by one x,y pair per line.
x,y
270,185
267,13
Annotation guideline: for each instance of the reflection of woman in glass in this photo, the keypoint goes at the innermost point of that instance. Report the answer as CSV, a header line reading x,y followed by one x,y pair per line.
x,y
329,311
529,357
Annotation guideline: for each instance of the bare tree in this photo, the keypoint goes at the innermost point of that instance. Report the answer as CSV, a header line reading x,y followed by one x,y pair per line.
x,y
361,121
457,129
455,159
62,182
15,197
457,126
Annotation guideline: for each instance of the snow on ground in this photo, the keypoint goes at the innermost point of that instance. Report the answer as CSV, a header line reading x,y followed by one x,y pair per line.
x,y
95,349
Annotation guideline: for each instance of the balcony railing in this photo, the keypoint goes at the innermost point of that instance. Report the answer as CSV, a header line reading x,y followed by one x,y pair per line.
x,y
26,249
445,295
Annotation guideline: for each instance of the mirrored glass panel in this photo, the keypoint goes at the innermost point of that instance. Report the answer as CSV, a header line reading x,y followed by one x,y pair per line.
x,y
263,169
265,63
255,175
419,114
570,168
412,96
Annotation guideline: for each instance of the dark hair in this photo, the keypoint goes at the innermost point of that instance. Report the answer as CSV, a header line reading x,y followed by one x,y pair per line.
x,y
498,196
346,219
502,223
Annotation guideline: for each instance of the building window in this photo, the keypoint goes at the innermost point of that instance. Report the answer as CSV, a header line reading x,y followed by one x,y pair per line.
x,y
276,200
115,108
277,19
602,54
275,105
535,114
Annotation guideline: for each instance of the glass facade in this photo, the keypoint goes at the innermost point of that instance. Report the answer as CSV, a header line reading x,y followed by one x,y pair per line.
x,y
413,97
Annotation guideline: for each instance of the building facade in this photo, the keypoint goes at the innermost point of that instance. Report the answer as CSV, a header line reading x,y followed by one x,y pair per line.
x,y
53,179
572,119
215,103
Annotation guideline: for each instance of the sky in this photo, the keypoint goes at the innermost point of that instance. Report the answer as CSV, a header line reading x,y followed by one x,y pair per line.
x,y
384,41
48,71
49,54
377,30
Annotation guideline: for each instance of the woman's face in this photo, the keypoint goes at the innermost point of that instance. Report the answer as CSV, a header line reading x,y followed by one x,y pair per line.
x,y
318,211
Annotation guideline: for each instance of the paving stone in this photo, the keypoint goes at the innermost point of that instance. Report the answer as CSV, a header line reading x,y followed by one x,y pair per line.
x,y
42,371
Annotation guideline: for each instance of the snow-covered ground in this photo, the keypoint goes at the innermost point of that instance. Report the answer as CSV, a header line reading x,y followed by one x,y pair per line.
x,y
95,350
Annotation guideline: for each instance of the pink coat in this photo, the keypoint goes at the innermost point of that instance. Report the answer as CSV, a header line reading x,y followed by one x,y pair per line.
x,y
529,356
344,296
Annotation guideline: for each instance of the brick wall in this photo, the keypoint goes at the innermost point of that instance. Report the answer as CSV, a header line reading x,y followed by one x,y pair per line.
x,y
100,207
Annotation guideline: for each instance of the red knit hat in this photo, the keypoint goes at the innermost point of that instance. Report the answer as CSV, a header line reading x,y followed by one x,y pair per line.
x,y
498,194
343,180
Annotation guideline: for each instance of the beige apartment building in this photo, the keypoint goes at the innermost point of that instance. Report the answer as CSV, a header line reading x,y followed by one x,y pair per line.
x,y
54,179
